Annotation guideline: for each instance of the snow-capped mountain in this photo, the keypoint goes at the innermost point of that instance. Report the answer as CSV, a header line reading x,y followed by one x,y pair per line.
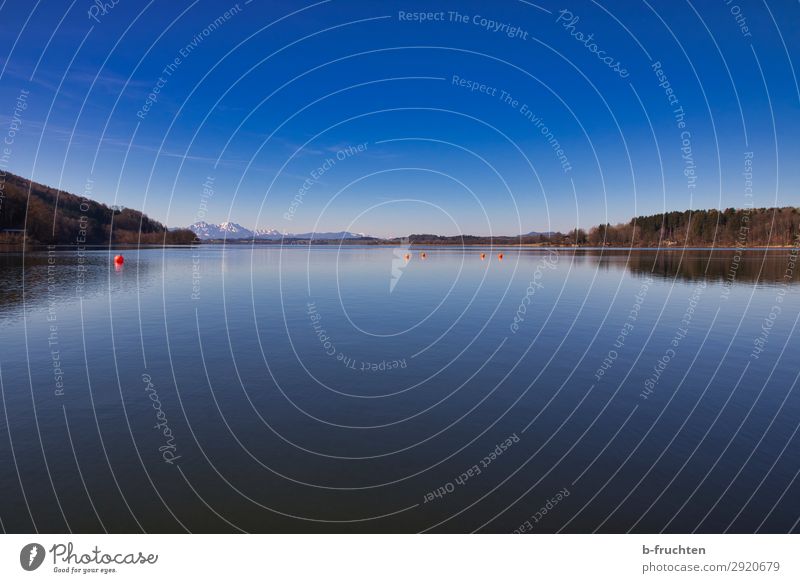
x,y
228,230
268,234
334,235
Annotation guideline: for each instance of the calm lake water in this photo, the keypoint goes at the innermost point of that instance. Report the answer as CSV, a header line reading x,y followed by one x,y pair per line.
x,y
326,390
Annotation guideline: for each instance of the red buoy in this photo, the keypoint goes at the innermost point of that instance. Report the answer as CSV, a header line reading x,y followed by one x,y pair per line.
x,y
500,256
119,260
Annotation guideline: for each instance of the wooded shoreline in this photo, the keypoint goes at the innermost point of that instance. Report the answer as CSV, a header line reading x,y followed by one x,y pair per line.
x,y
34,214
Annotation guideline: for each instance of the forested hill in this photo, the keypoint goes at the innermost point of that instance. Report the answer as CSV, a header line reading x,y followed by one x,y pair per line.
x,y
56,217
749,227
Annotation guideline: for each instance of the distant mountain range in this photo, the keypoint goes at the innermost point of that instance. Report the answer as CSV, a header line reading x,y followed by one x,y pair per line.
x,y
233,231
228,230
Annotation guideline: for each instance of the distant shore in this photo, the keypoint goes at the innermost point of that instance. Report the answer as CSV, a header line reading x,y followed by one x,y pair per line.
x,y
500,242
36,214
36,247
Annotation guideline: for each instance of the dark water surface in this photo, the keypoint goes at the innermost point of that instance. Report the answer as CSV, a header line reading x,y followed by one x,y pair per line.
x,y
325,389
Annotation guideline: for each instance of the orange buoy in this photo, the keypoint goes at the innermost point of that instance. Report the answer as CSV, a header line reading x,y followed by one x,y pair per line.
x,y
119,260
423,255
500,256
483,256
407,256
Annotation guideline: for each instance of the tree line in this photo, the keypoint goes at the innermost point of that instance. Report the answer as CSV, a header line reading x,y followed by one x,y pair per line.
x,y
749,227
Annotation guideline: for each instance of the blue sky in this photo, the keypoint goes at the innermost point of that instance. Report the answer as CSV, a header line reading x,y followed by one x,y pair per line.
x,y
269,106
